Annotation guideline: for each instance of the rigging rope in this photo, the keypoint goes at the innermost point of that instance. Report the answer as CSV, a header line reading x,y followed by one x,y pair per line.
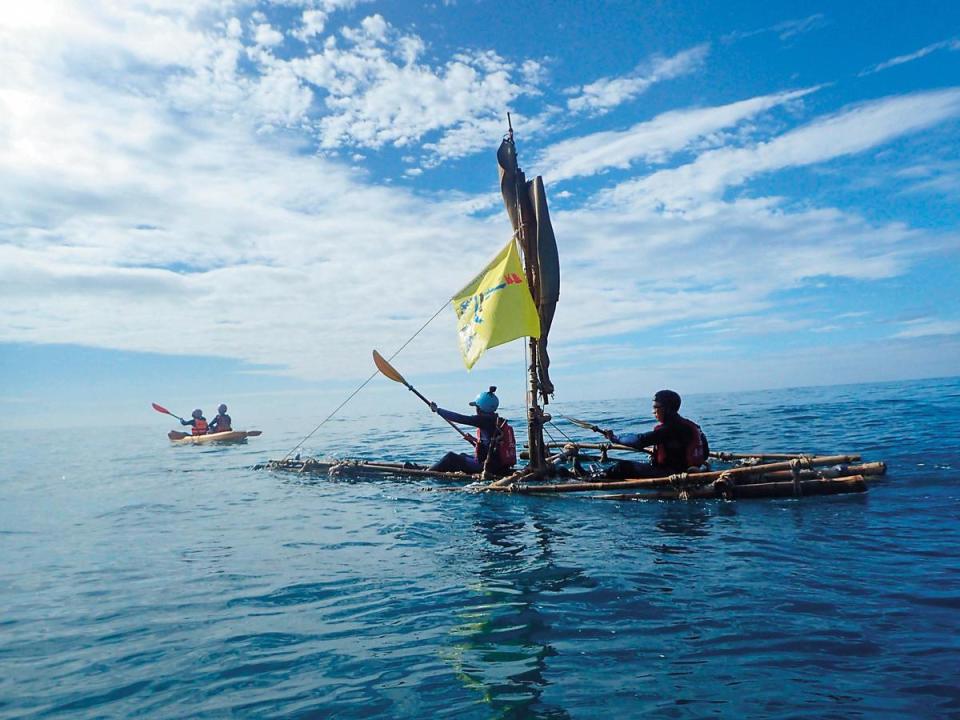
x,y
365,382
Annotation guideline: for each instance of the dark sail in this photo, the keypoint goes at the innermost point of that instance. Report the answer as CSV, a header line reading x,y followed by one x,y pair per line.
x,y
526,205
548,265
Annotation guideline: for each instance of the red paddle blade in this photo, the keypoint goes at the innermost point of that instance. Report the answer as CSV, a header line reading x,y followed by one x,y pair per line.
x,y
161,409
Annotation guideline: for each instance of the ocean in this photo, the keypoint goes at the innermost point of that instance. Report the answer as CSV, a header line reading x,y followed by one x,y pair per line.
x,y
144,580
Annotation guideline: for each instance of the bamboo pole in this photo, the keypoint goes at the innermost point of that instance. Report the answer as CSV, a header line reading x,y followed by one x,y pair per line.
x,y
362,467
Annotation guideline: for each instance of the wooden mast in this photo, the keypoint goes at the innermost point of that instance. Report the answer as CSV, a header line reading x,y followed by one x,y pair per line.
x,y
530,259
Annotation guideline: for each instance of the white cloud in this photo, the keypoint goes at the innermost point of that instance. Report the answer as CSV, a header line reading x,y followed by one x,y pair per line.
x,y
376,92
850,131
925,327
654,140
312,24
784,30
951,45
604,94
264,34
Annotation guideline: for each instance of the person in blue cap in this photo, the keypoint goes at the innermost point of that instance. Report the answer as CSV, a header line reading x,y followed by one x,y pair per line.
x,y
491,428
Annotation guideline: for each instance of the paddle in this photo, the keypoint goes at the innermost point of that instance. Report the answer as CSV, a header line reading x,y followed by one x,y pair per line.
x,y
606,433
161,409
388,371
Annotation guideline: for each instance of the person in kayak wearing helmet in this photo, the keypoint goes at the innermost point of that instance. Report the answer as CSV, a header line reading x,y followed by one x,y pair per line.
x,y
221,423
490,427
678,443
198,422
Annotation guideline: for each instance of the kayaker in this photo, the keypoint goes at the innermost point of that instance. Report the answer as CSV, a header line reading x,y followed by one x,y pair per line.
x,y
197,421
678,444
221,423
489,425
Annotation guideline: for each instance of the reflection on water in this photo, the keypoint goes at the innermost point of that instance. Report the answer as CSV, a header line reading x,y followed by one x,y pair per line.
x,y
500,646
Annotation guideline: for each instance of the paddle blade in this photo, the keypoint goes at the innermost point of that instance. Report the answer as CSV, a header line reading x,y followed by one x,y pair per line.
x,y
582,423
387,369
161,409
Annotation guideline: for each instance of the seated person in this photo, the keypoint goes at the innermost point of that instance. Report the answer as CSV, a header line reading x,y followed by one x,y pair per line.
x,y
678,443
221,423
489,426
198,422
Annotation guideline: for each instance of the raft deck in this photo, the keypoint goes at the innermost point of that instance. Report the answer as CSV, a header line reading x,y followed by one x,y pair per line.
x,y
744,475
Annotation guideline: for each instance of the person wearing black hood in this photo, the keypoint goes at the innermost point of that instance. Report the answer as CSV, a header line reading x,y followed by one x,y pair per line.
x,y
222,422
678,444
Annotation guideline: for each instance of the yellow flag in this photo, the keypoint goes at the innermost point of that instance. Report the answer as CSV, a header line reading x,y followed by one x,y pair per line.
x,y
495,307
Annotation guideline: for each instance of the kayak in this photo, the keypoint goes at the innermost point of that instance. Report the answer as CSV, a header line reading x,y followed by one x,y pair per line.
x,y
231,436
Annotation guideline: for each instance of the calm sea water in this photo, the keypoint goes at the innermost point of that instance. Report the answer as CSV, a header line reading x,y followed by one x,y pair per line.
x,y
143,580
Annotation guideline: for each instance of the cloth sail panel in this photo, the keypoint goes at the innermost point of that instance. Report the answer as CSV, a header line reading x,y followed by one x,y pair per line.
x,y
495,307
548,264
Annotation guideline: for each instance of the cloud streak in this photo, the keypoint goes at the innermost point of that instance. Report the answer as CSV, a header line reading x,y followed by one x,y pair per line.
x,y
604,94
850,131
951,45
653,141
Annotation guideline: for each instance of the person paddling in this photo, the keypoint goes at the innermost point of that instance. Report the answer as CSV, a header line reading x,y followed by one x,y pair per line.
x,y
198,422
221,423
678,443
491,430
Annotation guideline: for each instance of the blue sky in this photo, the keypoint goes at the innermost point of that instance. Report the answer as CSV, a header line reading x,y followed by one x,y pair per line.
x,y
207,201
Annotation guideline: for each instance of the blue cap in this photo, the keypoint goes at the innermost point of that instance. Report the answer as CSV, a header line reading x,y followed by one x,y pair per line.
x,y
487,401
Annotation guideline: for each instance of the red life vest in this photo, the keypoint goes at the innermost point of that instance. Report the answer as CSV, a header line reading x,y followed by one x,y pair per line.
x,y
199,426
696,451
506,445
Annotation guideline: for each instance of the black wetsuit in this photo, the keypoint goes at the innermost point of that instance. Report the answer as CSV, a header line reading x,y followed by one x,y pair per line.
x,y
673,436
221,423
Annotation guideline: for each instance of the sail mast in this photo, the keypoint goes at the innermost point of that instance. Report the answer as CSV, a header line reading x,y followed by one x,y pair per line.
x,y
528,247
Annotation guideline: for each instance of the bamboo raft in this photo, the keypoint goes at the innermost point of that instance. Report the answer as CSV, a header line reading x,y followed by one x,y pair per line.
x,y
553,467
746,475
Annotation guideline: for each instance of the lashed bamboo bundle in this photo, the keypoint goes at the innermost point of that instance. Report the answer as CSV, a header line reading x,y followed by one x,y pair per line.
x,y
729,491
691,479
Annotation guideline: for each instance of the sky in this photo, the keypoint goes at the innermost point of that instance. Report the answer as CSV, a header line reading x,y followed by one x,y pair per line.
x,y
207,201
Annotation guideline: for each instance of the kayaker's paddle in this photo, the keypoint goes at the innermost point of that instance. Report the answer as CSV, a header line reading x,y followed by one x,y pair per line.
x,y
388,371
161,409
590,426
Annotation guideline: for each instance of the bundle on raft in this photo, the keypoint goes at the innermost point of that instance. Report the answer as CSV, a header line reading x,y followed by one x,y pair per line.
x,y
746,475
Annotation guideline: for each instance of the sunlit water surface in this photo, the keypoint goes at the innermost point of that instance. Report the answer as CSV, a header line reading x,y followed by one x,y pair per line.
x,y
143,580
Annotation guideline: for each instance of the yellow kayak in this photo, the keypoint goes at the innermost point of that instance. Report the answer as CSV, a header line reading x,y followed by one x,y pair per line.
x,y
231,436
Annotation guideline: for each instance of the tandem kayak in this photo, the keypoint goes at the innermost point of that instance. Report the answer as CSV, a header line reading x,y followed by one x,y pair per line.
x,y
231,436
